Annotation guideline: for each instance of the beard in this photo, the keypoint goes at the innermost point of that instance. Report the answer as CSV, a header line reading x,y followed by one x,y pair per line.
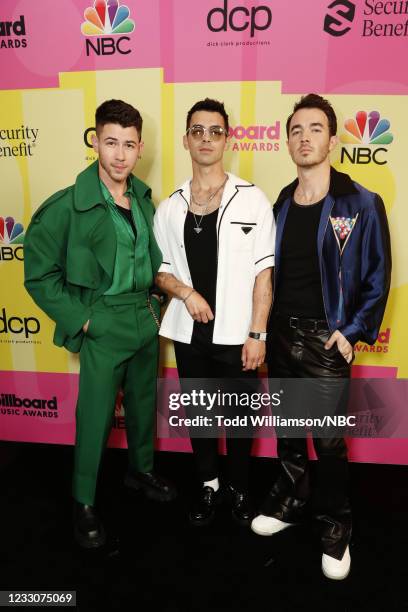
x,y
311,160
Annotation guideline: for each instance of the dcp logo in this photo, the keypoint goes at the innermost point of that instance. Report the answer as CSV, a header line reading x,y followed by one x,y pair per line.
x,y
239,18
336,22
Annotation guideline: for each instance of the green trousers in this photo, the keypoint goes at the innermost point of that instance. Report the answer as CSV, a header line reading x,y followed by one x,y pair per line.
x,y
120,350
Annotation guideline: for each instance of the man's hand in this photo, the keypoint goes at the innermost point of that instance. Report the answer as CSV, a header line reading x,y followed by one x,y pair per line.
x,y
85,326
343,345
253,354
198,307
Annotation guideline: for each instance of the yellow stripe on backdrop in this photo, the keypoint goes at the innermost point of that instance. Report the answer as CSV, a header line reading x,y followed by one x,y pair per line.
x,y
247,117
15,204
58,114
168,138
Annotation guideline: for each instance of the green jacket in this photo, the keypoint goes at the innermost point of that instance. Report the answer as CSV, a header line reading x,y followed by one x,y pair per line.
x,y
69,253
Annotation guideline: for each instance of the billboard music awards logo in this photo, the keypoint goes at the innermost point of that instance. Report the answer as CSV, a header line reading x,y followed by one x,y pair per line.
x,y
105,23
11,404
387,18
381,345
246,19
11,239
12,33
255,138
366,130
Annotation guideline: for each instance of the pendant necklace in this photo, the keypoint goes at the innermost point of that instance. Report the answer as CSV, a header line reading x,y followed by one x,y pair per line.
x,y
198,227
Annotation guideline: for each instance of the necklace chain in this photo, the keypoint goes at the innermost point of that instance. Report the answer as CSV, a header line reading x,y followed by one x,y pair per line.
x,y
198,227
210,197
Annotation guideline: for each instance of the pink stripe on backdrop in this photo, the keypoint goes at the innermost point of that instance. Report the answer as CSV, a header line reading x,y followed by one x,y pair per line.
x,y
61,430
174,34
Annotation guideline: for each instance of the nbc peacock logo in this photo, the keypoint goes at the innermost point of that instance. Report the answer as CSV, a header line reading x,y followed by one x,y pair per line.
x,y
366,130
10,231
107,18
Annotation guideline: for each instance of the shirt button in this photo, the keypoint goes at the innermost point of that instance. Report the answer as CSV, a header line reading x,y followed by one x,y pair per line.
x,y
181,246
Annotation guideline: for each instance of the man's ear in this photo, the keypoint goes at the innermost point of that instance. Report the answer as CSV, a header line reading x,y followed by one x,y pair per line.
x,y
333,142
95,143
185,142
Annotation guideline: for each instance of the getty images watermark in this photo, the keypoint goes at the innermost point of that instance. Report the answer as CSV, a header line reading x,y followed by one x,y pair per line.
x,y
254,401
265,408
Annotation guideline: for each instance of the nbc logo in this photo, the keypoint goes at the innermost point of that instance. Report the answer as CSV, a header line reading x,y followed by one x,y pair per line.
x,y
11,235
10,231
366,129
106,17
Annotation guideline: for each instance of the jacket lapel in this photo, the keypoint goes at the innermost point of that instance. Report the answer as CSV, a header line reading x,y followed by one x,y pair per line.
x,y
324,220
280,224
103,241
89,201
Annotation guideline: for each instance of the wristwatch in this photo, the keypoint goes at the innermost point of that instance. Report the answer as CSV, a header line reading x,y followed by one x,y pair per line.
x,y
258,335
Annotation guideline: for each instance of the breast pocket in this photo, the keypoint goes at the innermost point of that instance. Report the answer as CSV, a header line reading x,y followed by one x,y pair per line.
x,y
242,235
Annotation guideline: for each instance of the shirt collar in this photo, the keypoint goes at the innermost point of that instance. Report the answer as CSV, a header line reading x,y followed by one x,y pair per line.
x,y
340,185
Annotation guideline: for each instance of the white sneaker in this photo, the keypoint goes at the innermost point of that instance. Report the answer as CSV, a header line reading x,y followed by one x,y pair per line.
x,y
335,569
268,525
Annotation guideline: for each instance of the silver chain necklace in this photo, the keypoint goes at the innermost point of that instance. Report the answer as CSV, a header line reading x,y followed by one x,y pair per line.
x,y
198,227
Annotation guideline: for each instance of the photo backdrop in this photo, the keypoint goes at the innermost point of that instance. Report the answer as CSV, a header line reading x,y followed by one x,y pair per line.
x,y
60,59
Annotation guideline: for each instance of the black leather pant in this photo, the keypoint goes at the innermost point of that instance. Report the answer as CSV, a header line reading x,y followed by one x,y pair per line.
x,y
297,351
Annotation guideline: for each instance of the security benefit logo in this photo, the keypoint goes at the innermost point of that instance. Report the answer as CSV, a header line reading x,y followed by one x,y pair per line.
x,y
12,34
105,24
11,240
18,141
338,20
369,133
379,18
15,405
18,329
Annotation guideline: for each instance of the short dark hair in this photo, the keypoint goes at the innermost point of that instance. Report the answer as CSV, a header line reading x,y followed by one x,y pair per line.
x,y
313,100
117,111
211,106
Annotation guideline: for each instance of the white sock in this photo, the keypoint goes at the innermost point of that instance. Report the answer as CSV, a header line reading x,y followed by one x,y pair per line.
x,y
214,484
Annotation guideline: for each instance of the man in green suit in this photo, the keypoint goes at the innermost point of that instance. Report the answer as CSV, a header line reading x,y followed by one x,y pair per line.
x,y
90,260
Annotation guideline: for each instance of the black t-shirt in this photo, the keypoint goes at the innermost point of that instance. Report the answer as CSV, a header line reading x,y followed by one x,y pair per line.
x,y
127,213
299,290
201,252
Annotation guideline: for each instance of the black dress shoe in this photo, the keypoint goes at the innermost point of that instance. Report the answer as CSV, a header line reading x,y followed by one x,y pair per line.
x,y
152,485
242,510
203,509
88,529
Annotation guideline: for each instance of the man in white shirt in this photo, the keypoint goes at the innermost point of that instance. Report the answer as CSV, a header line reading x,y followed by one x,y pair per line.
x,y
216,233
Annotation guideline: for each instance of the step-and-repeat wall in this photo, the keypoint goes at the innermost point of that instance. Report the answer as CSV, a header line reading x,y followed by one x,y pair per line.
x,y
59,60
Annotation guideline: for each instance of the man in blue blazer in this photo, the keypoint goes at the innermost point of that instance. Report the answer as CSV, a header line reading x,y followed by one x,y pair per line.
x,y
332,277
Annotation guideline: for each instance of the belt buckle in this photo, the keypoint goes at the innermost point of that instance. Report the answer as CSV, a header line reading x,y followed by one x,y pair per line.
x,y
294,322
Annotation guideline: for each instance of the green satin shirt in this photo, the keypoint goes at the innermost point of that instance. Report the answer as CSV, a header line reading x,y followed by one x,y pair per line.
x,y
133,267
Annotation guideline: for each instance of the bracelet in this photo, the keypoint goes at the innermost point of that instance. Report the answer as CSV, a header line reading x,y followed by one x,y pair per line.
x,y
258,335
187,296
